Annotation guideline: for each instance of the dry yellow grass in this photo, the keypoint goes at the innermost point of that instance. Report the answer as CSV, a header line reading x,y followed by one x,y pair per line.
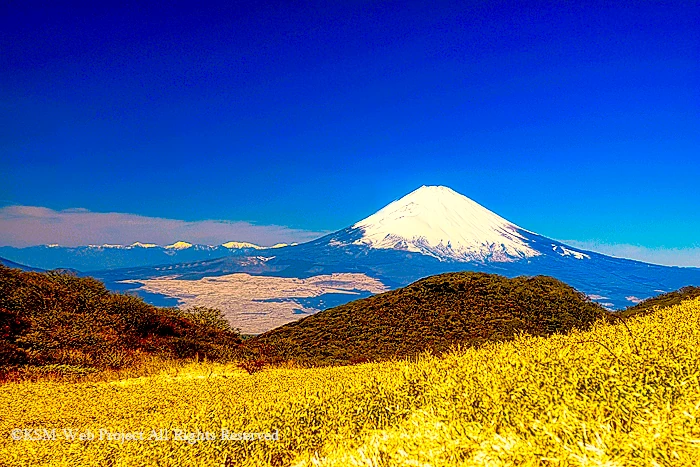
x,y
610,396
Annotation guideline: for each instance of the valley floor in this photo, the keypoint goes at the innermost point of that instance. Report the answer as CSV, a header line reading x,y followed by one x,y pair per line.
x,y
612,396
255,304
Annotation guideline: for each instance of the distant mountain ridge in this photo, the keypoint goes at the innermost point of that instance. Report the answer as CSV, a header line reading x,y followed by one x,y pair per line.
x,y
111,256
435,230
12,264
430,231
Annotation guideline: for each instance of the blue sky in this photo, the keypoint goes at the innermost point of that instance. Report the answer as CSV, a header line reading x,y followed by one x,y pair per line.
x,y
579,121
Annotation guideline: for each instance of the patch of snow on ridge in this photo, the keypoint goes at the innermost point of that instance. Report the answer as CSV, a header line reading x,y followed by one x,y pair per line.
x,y
179,246
437,221
282,245
234,245
567,252
142,245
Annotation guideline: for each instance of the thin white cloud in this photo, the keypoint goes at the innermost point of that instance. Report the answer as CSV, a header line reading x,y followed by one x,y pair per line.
x,y
33,225
666,256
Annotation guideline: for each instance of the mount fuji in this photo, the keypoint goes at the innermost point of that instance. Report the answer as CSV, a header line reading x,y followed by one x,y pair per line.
x,y
434,230
439,222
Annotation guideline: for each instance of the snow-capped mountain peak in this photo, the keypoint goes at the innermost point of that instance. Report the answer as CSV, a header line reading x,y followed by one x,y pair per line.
x,y
438,221
282,245
142,245
239,245
178,246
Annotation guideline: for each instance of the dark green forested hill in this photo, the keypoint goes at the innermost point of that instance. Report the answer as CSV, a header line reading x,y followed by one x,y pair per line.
x,y
56,318
432,314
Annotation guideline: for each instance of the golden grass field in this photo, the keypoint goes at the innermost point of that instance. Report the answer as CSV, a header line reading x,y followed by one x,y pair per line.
x,y
611,396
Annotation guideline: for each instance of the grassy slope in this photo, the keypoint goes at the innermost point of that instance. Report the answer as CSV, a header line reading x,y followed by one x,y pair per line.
x,y
432,314
606,396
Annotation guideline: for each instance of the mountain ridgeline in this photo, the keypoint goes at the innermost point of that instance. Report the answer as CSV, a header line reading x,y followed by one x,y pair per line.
x,y
664,300
102,257
433,315
432,230
57,320
436,230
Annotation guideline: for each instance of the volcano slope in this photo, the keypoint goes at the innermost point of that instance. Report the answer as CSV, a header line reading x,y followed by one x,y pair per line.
x,y
431,315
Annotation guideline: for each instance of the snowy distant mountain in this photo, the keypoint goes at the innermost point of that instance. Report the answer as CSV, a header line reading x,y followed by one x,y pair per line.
x,y
434,230
429,231
439,222
110,256
241,245
178,246
282,245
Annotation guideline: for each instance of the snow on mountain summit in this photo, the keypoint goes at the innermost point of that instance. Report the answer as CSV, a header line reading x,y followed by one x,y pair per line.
x,y
178,246
438,221
240,245
142,245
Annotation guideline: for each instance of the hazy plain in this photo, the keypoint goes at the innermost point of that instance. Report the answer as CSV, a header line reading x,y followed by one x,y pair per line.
x,y
256,304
